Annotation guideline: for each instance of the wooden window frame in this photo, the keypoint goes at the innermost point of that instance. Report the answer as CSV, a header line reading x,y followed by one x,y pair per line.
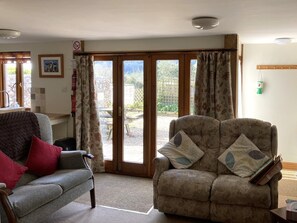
x,y
19,58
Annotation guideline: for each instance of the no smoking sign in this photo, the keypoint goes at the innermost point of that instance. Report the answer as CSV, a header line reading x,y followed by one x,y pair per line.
x,y
77,46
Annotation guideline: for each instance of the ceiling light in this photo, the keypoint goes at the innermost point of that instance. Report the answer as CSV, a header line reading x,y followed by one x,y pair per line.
x,y
9,33
205,22
284,40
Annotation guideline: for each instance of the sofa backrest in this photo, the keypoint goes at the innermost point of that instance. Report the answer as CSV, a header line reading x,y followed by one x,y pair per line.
x,y
261,133
16,131
204,131
46,132
214,137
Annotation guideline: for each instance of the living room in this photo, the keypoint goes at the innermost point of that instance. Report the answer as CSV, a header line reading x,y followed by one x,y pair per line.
x,y
256,47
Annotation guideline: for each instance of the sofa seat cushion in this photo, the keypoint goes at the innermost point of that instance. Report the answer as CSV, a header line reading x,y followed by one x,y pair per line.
x,y
235,190
67,179
186,183
28,198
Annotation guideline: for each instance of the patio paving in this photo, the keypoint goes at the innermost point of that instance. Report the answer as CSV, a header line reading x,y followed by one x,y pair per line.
x,y
133,143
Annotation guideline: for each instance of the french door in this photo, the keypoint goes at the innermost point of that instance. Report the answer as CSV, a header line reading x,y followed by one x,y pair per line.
x,y
122,93
138,96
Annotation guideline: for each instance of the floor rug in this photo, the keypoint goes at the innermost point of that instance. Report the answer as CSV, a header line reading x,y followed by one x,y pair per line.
x,y
287,187
122,192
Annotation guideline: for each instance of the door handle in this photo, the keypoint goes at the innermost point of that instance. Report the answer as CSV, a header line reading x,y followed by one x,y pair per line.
x,y
120,111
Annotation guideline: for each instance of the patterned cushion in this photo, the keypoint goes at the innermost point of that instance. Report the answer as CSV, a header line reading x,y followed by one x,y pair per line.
x,y
181,151
243,158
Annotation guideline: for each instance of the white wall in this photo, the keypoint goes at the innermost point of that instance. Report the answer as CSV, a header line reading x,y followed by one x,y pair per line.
x,y
277,104
182,43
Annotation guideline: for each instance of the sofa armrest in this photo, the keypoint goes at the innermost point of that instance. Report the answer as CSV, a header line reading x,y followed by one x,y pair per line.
x,y
2,185
4,193
74,159
276,177
161,164
5,189
273,183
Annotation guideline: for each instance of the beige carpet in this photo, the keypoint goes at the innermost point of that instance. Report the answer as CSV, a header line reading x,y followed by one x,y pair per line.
x,y
126,186
122,192
81,213
287,187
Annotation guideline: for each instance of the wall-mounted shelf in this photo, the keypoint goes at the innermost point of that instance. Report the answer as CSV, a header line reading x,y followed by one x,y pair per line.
x,y
276,67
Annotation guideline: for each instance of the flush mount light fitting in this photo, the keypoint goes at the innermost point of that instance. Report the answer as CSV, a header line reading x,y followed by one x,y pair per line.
x,y
283,40
9,33
205,22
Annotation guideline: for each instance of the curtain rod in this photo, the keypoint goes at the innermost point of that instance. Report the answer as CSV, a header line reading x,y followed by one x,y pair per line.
x,y
110,53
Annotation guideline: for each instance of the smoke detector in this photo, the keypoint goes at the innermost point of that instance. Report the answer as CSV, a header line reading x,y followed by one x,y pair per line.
x,y
205,22
9,33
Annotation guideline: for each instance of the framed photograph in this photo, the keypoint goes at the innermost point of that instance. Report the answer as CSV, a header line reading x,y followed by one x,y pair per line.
x,y
51,65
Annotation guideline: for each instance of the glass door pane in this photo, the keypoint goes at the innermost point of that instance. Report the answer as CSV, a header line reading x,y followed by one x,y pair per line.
x,y
103,71
167,79
133,73
193,70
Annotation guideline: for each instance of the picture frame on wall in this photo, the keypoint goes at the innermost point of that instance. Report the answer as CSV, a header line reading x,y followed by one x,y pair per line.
x,y
51,65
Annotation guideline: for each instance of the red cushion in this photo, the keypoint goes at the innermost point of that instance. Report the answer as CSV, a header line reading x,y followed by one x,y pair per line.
x,y
10,171
43,157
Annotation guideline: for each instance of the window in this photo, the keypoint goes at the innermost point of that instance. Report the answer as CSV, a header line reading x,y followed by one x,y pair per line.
x,y
15,80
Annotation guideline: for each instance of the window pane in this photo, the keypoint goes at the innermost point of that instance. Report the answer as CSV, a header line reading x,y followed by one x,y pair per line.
x,y
167,98
103,78
133,110
10,82
27,84
193,70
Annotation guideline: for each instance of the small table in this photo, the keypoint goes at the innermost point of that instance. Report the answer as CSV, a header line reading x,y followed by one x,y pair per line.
x,y
58,118
279,215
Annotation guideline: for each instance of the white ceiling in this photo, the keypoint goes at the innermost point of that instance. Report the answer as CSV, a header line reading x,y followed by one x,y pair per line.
x,y
255,21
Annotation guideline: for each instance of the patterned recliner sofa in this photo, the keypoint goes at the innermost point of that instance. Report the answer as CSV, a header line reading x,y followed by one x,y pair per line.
x,y
208,190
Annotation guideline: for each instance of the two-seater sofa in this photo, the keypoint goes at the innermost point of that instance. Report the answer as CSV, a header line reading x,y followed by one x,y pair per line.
x,y
34,198
208,190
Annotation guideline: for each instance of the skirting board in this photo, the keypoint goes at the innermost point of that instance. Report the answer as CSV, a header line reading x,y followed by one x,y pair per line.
x,y
289,166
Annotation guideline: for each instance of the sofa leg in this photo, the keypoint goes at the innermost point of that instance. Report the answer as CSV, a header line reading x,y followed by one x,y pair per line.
x,y
7,207
93,199
92,194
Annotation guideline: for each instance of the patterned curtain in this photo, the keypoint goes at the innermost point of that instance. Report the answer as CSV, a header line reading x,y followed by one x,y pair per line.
x,y
88,135
213,92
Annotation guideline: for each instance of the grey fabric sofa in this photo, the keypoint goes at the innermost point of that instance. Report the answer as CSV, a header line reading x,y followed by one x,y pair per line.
x,y
34,198
208,190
